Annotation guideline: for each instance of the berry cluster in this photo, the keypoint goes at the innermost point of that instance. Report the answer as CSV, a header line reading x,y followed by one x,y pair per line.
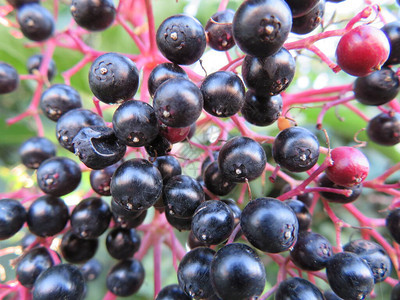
x,y
175,154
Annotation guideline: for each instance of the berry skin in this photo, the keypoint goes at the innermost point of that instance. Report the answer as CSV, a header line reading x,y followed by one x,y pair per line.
x,y
172,292
384,129
162,73
32,264
77,250
362,50
296,149
91,269
378,88
181,39
70,123
350,166
168,166
237,272
122,243
338,198
349,276
93,15
219,30
296,288
9,78
63,281
174,134
58,176
307,23
178,102
34,63
393,224
194,273
302,213
98,147
269,75
36,150
126,277
301,8
223,94
216,182
136,184
35,21
47,216
269,225
113,78
241,159
160,146
392,31
261,110
260,27
100,179
12,217
181,224
59,99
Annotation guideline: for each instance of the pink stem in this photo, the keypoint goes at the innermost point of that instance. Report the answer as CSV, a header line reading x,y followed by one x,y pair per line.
x,y
131,33
109,296
150,21
233,234
222,5
157,266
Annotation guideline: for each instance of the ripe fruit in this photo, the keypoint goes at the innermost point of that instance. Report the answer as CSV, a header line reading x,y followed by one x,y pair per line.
x,y
36,150
298,288
9,78
162,73
362,50
237,272
301,8
302,213
172,292
34,64
219,30
308,22
168,166
93,15
269,225
392,31
384,129
393,224
350,166
241,158
181,39
12,217
100,179
77,250
35,21
339,198
296,149
261,27
216,182
113,78
122,243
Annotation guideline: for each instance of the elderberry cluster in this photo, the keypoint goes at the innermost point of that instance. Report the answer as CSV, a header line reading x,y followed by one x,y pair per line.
x,y
231,207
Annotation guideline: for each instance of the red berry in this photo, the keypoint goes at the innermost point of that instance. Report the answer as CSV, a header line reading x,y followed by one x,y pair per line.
x,y
350,166
362,50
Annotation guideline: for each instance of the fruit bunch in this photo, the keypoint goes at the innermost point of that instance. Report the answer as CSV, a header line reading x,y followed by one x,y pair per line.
x,y
197,151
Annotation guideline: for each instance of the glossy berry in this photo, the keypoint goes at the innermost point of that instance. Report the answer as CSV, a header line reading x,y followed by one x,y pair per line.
x,y
91,269
378,88
63,281
181,224
28,240
36,150
178,102
261,27
311,251
302,213
307,23
162,73
93,15
298,288
269,225
69,124
392,31
212,222
237,272
338,198
98,147
32,264
125,278
12,217
349,276
219,30
19,3
172,292
75,249
208,160
47,216
384,129
269,75
194,273
181,39
58,99
9,78
100,179
131,219
301,8
168,166
136,184
113,78
160,146
223,93
241,159
34,64
296,149
174,134
375,256
350,166
58,176
393,224
330,295
182,195
35,21
362,50
90,218
122,243
261,110
216,182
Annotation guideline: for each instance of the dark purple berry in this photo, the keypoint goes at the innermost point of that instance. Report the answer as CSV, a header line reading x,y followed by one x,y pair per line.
x,y
393,224
216,182
91,269
302,213
338,198
308,22
392,31
219,30
75,249
181,224
93,15
300,8
160,146
168,166
9,78
34,63
100,179
172,292
162,73
12,217
296,288
19,3
36,150
35,21
122,243
384,129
